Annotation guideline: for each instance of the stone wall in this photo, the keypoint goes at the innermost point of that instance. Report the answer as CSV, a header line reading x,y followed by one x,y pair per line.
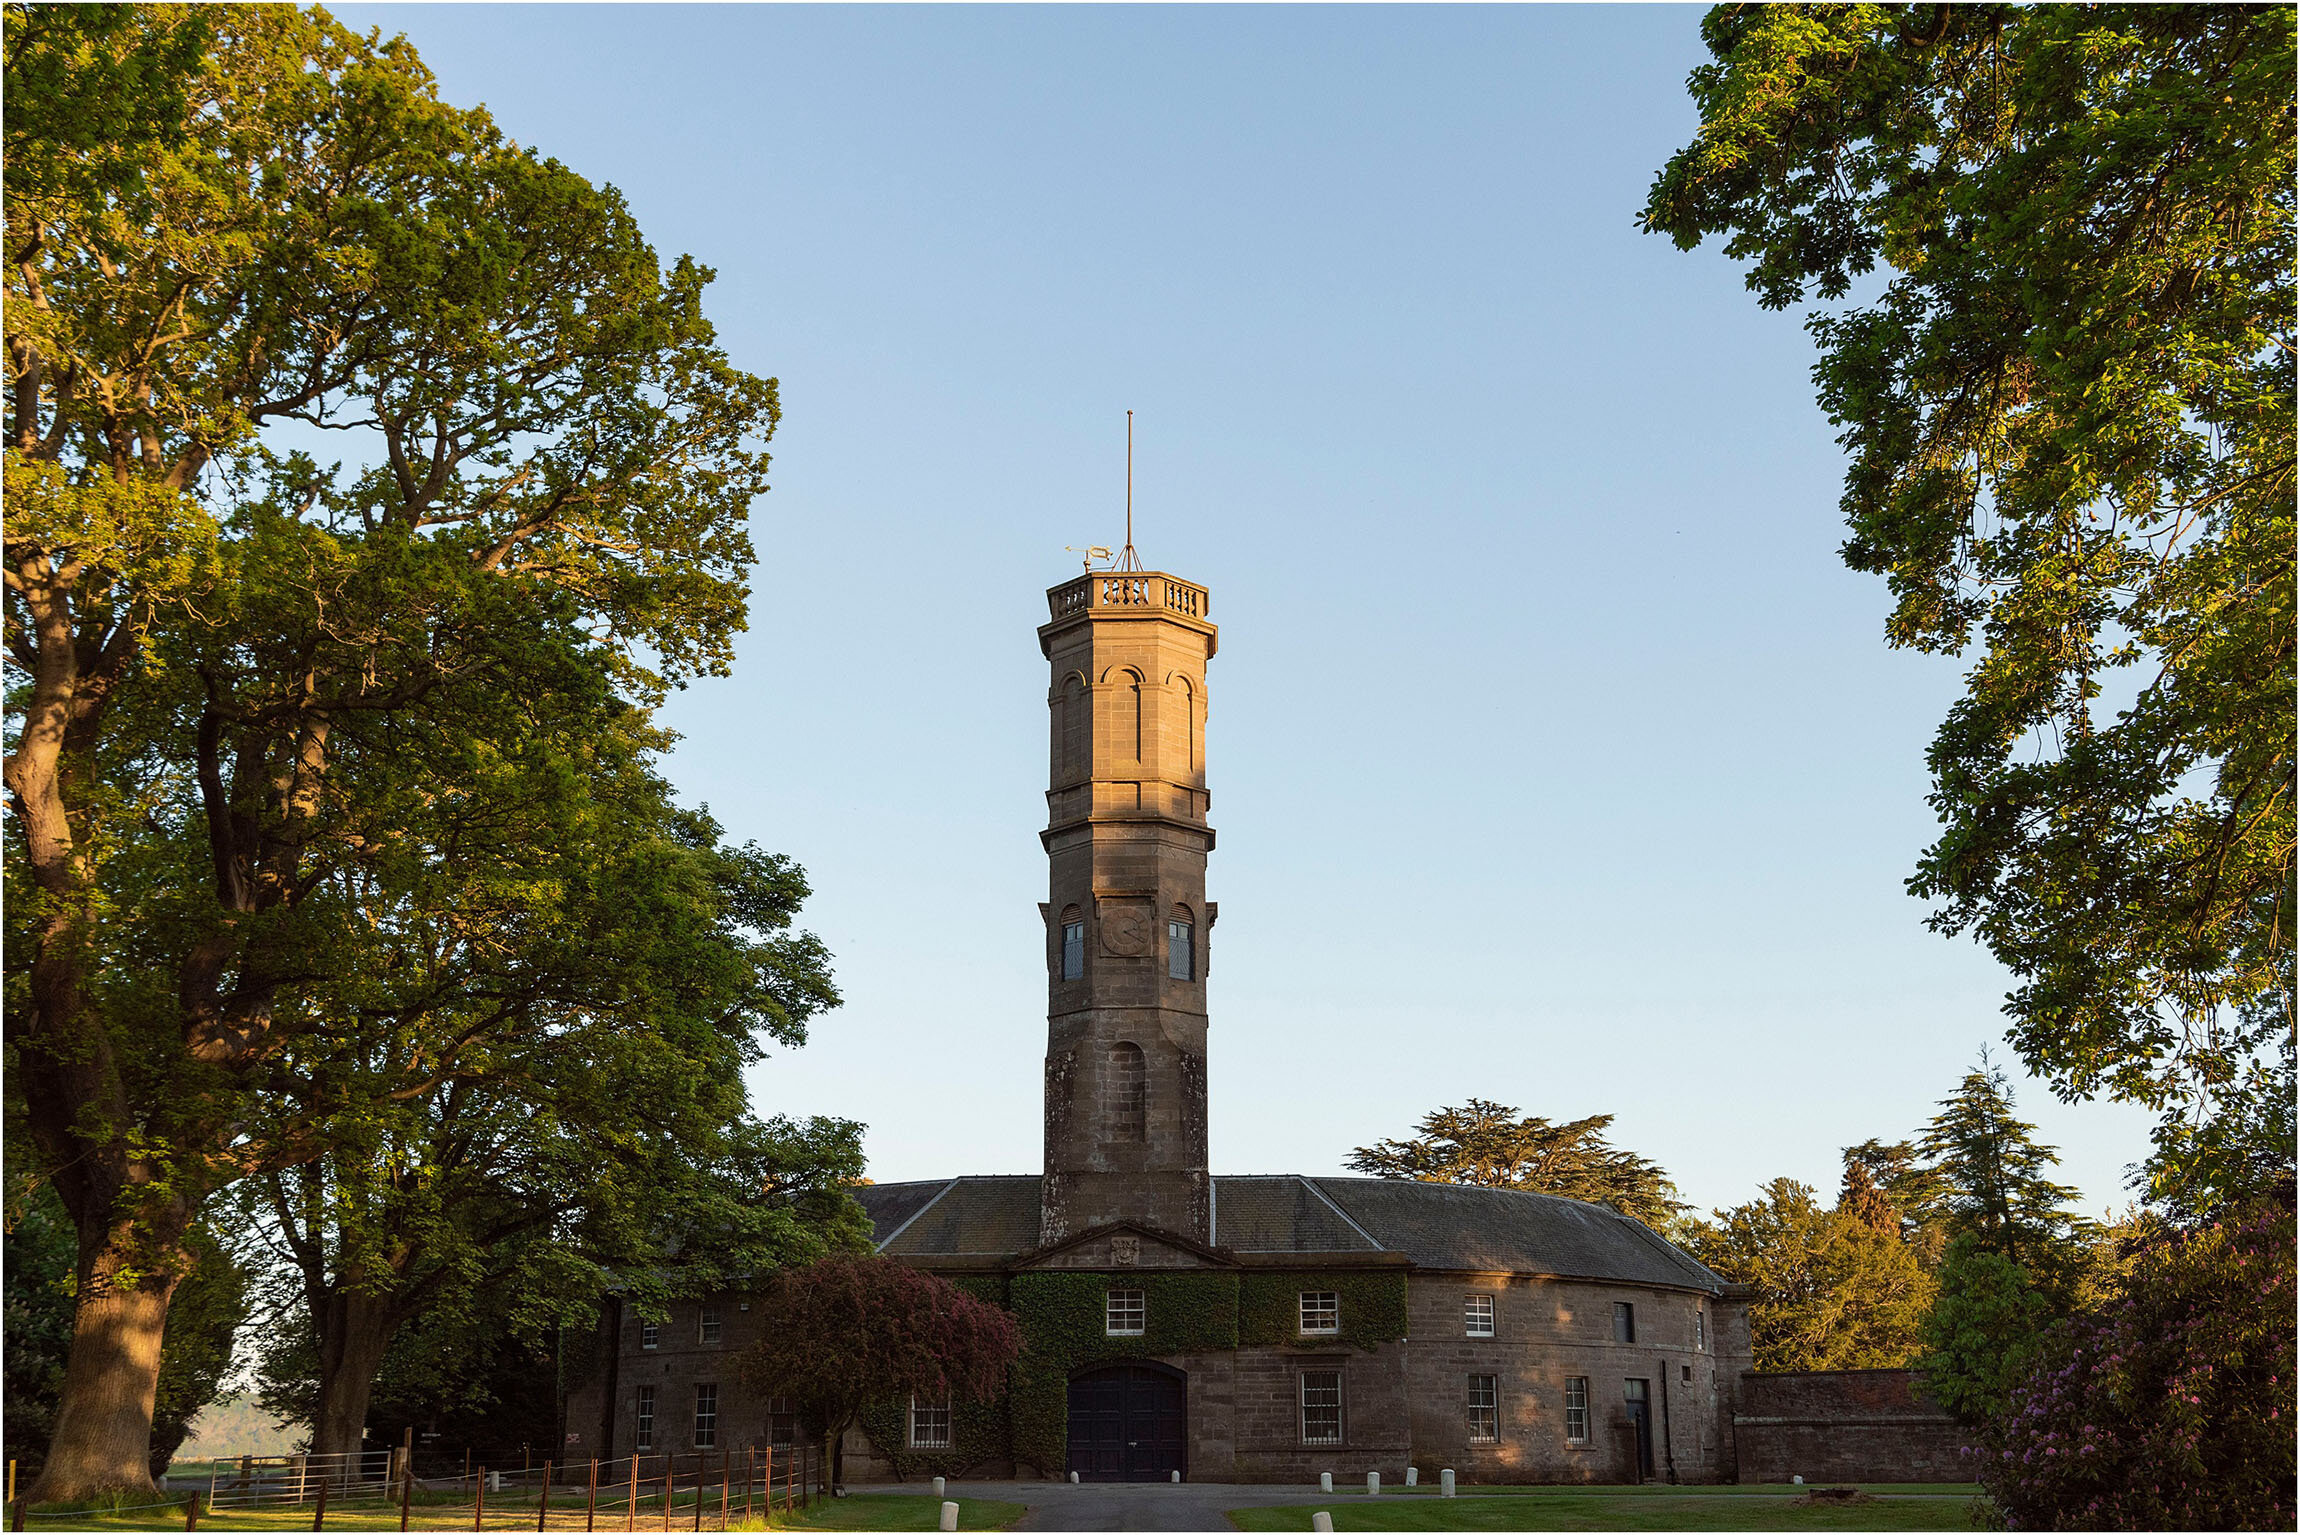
x,y
1546,1332
1845,1426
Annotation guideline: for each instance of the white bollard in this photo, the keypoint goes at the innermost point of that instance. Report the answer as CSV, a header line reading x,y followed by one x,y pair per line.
x,y
1373,1484
1173,1476
938,1486
1322,1522
949,1517
1073,1478
1413,1476
1796,1481
1445,1484
1325,1481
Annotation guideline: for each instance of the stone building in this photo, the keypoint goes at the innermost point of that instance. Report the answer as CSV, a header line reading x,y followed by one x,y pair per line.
x,y
1226,1328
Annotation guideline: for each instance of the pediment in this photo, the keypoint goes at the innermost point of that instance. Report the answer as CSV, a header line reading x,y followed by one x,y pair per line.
x,y
1116,1246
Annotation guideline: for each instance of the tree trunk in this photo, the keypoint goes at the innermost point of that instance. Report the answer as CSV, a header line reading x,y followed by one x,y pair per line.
x,y
102,1442
354,1332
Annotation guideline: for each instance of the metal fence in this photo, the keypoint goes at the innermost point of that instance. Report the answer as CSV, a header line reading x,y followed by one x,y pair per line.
x,y
693,1490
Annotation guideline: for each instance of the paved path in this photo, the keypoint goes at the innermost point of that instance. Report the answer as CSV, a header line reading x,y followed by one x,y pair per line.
x,y
1136,1505
1201,1505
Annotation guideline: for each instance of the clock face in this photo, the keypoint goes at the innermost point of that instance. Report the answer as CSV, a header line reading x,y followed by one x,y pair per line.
x,y
1126,929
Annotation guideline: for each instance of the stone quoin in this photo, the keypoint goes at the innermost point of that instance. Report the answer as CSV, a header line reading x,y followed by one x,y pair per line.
x,y
1346,1325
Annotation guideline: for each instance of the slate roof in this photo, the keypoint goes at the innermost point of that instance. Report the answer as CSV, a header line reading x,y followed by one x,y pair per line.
x,y
1434,1225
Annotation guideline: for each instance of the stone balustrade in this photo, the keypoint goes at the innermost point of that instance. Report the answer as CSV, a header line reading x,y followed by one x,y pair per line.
x,y
1150,589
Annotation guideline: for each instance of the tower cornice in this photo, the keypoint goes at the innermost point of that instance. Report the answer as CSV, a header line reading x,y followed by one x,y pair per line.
x,y
1101,596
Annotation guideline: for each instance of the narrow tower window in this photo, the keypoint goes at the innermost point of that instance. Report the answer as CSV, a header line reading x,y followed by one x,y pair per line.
x,y
1073,944
1181,946
1129,1092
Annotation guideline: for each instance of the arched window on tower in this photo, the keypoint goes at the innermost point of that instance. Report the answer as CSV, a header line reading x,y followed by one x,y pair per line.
x,y
1181,945
1129,1105
1073,959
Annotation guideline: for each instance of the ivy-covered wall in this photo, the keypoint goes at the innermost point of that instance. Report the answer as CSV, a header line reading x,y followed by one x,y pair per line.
x,y
1063,1329
1373,1306
1062,1321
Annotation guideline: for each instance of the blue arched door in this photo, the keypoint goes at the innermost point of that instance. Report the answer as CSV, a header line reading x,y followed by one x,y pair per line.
x,y
1128,1423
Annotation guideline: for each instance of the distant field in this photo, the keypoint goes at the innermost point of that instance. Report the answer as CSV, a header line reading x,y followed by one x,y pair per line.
x,y
235,1425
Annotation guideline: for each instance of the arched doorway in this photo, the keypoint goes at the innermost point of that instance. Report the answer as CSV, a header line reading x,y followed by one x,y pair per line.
x,y
1128,1423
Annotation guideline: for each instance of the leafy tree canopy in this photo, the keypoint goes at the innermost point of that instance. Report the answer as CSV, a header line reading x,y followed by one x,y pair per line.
x,y
2068,396
1834,1291
1487,1144
331,786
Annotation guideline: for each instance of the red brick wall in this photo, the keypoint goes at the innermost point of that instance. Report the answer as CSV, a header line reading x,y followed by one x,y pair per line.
x,y
1845,1426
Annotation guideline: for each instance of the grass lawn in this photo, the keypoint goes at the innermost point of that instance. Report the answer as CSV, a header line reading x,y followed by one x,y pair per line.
x,y
1620,1508
899,1511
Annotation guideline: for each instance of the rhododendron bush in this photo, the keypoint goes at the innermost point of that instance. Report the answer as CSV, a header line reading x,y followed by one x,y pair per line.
x,y
2169,1408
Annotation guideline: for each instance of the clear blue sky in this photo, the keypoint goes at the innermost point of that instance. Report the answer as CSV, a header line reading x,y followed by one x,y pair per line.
x,y
1556,759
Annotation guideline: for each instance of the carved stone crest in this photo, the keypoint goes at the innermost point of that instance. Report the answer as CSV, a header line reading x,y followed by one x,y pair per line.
x,y
1125,1252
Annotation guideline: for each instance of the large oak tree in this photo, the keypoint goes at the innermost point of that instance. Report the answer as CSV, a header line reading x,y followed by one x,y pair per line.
x,y
303,762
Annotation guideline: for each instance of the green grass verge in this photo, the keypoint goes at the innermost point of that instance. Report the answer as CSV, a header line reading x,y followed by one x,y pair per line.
x,y
1594,1509
897,1511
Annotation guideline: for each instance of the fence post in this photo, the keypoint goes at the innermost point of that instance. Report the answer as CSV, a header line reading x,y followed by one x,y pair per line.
x,y
701,1466
670,1483
479,1500
631,1519
591,1499
750,1479
543,1504
406,1492
319,1510
726,1484
192,1511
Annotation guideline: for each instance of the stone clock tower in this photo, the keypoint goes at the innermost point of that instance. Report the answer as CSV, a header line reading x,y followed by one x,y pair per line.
x,y
1127,925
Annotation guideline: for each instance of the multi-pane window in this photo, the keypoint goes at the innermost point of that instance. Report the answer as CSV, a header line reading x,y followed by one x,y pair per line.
x,y
1123,1313
1321,1407
1073,950
644,1419
1484,1411
706,1415
1700,1328
1181,950
1477,1315
930,1424
1624,1322
1577,1409
782,1422
650,1335
707,1325
1321,1312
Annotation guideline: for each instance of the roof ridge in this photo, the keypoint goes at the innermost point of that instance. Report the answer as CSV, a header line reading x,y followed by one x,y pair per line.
x,y
914,1215
1380,1247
